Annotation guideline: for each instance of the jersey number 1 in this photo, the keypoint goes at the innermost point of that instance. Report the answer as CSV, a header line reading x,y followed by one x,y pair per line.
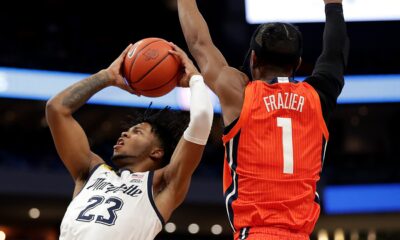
x,y
287,141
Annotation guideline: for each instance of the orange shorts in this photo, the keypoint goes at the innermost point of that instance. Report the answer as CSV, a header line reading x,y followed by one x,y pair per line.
x,y
268,233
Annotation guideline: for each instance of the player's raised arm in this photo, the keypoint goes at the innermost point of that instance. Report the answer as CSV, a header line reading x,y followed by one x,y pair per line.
x,y
70,140
198,38
226,82
177,174
328,75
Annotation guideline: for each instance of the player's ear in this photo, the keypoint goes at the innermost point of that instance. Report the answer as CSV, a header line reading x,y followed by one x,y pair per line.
x,y
157,153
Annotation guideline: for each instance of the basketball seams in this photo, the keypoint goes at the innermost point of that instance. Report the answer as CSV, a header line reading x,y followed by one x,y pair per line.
x,y
137,54
151,69
166,83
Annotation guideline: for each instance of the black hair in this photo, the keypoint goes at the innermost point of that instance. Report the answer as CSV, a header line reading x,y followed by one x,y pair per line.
x,y
166,124
277,44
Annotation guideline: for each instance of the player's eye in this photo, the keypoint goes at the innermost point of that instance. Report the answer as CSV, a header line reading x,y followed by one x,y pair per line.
x,y
137,131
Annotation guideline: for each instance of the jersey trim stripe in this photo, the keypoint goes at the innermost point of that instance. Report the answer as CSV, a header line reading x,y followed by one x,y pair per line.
x,y
248,99
316,198
324,145
228,128
244,233
150,195
231,193
235,129
94,169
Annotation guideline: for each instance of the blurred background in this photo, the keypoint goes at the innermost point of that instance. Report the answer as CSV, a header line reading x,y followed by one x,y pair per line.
x,y
46,45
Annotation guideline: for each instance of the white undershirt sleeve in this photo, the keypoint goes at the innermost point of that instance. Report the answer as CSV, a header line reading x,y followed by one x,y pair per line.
x,y
201,112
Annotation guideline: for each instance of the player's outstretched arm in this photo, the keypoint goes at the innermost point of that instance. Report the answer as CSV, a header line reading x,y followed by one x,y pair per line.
x,y
177,174
328,75
70,140
195,29
226,82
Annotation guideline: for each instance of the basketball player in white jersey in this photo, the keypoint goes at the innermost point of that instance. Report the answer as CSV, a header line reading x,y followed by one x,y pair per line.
x,y
133,202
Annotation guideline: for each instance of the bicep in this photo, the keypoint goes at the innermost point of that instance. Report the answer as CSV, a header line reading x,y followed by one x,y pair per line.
x,y
226,82
210,61
177,175
230,88
71,144
184,160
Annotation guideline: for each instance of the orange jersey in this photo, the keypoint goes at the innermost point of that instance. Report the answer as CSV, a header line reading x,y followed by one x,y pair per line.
x,y
273,158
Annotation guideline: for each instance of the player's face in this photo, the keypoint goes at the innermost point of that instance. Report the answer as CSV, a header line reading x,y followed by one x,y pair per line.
x,y
136,142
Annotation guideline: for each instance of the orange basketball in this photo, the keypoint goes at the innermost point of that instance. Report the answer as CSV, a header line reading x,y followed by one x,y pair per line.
x,y
150,69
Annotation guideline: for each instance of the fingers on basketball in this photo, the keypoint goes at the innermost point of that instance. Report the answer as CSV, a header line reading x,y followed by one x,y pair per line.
x,y
150,69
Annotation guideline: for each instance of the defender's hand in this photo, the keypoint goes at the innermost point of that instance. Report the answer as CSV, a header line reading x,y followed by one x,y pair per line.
x,y
188,65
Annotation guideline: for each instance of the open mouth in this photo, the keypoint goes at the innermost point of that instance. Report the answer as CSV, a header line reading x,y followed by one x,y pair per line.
x,y
119,143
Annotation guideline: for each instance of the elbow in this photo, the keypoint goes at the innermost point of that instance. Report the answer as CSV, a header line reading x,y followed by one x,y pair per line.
x,y
338,82
192,45
51,112
341,85
197,43
338,87
54,108
192,39
204,118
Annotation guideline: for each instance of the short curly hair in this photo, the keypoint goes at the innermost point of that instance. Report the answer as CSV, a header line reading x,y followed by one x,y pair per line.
x,y
168,125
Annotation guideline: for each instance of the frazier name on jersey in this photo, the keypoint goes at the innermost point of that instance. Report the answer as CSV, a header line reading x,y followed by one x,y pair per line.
x,y
284,100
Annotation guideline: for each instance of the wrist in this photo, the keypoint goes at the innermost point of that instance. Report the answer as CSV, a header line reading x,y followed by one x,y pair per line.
x,y
195,78
333,8
109,78
332,1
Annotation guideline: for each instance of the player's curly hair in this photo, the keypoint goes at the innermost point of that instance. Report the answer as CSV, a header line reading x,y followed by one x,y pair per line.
x,y
167,125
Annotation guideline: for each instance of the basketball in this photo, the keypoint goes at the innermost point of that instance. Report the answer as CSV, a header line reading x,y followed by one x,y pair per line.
x,y
150,69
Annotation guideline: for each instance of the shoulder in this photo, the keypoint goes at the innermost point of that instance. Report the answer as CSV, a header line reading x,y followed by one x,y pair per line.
x,y
233,74
230,84
82,181
325,84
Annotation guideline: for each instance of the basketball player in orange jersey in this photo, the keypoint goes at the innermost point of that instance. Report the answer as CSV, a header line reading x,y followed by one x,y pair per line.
x,y
276,132
154,173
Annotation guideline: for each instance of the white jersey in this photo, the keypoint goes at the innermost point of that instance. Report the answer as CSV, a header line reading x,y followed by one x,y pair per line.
x,y
117,206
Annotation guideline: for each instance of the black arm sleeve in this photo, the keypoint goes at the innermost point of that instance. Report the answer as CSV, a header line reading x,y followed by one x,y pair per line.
x,y
327,78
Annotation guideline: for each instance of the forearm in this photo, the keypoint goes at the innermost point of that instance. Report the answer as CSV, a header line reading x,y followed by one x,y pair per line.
x,y
73,97
331,64
328,75
194,27
335,41
335,34
201,112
